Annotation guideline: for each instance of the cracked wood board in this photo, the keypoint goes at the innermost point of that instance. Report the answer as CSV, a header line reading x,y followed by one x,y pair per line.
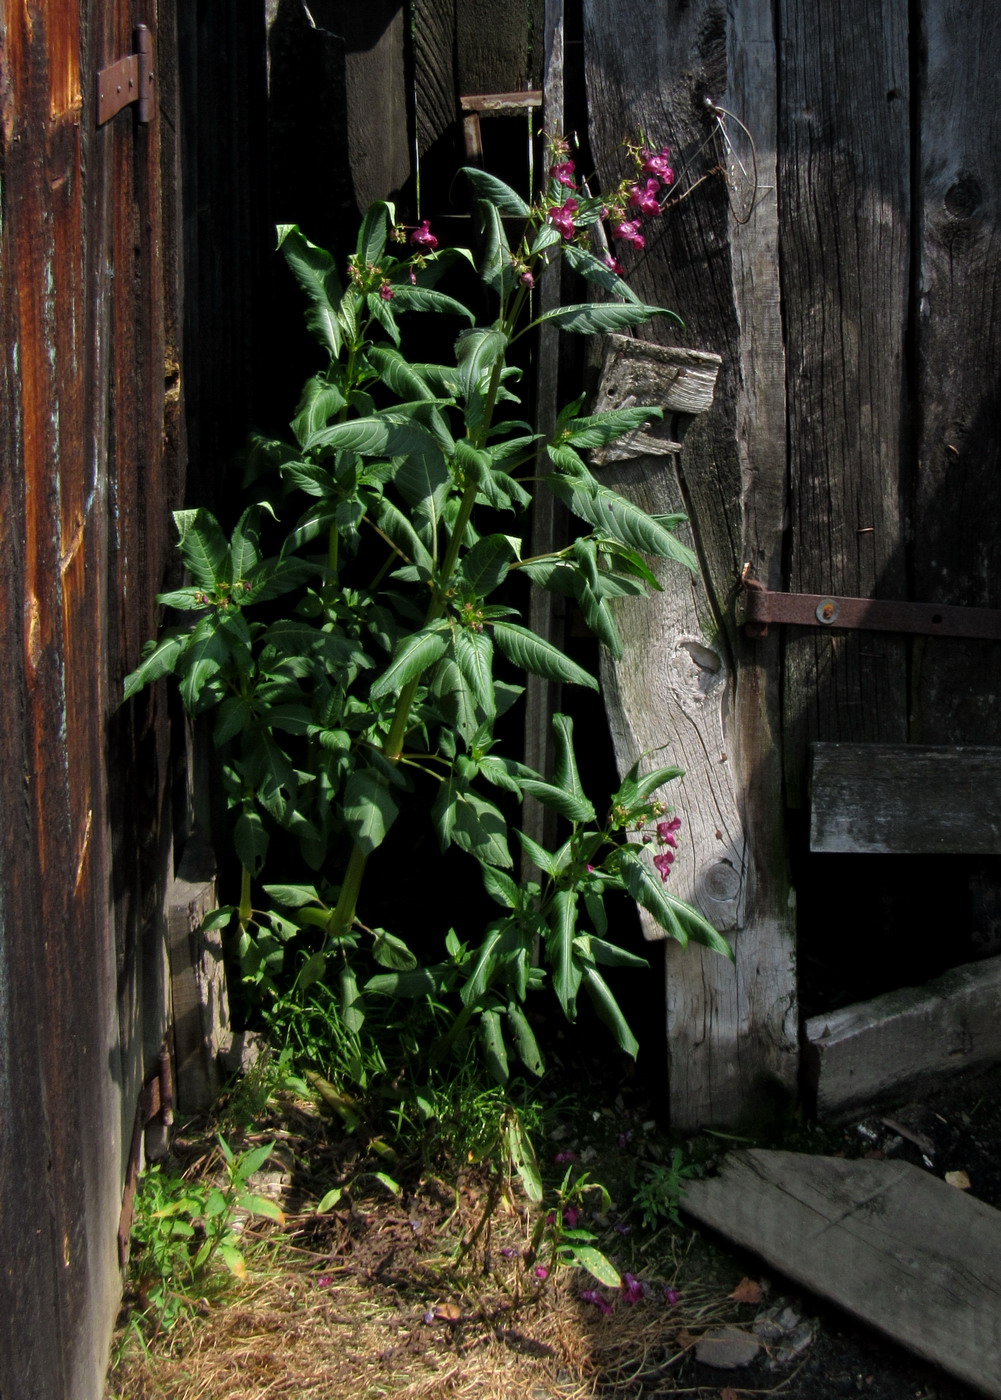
x,y
897,1248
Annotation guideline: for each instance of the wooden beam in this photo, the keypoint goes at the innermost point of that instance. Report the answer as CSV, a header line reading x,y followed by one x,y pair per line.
x,y
893,1245
905,799
912,1038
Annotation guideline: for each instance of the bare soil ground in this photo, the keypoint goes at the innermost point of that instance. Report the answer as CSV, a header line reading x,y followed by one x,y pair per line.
x,y
434,1293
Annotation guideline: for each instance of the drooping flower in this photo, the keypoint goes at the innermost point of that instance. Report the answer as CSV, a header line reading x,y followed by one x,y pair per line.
x,y
386,292
632,1289
629,232
592,1296
657,164
614,264
644,197
666,830
563,173
561,217
663,863
423,237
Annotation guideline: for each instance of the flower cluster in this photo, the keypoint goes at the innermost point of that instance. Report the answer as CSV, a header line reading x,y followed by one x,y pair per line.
x,y
631,1290
666,837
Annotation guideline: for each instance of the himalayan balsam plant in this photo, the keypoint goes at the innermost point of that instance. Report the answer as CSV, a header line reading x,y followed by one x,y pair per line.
x,y
350,671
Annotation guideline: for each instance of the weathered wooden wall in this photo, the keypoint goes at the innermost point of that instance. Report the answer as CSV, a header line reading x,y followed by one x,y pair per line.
x,y
92,449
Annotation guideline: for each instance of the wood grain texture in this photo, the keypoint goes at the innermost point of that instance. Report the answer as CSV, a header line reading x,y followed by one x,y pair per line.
x,y
844,170
912,1040
957,486
731,1030
905,799
902,1251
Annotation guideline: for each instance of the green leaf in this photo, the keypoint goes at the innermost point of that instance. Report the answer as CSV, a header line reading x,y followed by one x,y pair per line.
x,y
524,1038
593,318
203,658
498,270
330,1199
566,775
413,656
607,954
293,896
495,192
203,546
532,653
422,982
407,298
159,660
614,515
352,1005
500,886
559,950
459,705
254,1160
486,565
477,352
597,1265
522,1155
573,808
369,808
251,842
373,437
424,481
494,1049
580,260
539,856
473,653
602,428
390,951
608,1010
320,401
314,270
479,828
373,232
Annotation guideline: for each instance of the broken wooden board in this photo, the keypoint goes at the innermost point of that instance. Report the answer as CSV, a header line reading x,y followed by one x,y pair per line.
x,y
892,799
918,1036
665,376
894,1246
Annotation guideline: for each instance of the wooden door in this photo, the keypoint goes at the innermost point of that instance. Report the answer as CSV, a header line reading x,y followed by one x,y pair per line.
x,y
852,450
90,442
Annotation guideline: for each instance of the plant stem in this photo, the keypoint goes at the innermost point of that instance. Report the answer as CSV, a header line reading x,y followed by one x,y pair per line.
x,y
344,915
246,906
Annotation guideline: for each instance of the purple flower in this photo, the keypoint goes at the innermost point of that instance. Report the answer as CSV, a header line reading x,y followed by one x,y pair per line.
x,y
563,173
526,279
562,1157
644,197
541,1272
632,1289
666,830
592,1296
629,232
671,1297
570,1217
663,862
423,237
508,1252
386,292
614,264
657,165
561,217
324,1281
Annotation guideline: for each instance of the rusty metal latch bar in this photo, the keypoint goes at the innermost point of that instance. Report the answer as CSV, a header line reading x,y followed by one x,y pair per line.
x,y
131,79
761,607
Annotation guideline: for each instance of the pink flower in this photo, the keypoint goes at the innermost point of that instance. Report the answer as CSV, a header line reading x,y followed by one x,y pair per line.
x,y
561,217
666,830
423,237
526,279
563,173
614,264
629,232
671,1297
324,1281
644,198
632,1289
663,863
386,292
570,1217
592,1296
657,165
564,1157
541,1273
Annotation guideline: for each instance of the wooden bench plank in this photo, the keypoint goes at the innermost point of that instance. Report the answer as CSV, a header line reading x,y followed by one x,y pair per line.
x,y
864,1053
896,1247
905,798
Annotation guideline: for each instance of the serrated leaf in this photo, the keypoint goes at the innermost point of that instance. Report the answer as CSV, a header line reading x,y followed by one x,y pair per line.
x,y
532,653
496,192
372,436
601,317
486,565
314,270
473,652
479,828
413,656
203,546
319,402
559,950
607,954
373,232
540,857
594,270
615,515
565,774
573,808
407,298
602,428
608,1010
369,808
498,270
158,661
500,886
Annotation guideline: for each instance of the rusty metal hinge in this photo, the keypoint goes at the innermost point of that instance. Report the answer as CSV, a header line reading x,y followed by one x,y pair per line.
x,y
131,79
156,1100
871,614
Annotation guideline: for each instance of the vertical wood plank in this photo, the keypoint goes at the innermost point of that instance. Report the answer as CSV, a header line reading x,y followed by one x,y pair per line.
x,y
957,498
731,1030
845,177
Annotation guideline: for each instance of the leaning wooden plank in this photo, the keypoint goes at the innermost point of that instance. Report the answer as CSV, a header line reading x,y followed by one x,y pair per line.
x,y
901,1250
887,1047
905,798
197,983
